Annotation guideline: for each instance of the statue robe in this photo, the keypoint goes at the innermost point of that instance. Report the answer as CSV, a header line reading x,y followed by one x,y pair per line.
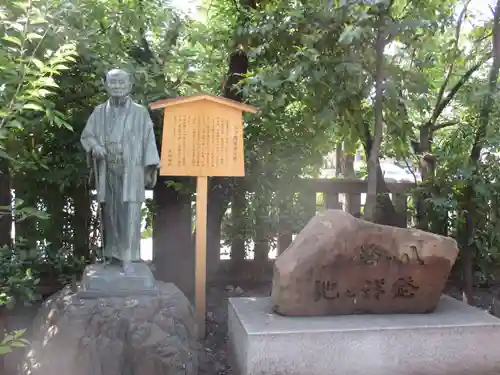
x,y
128,137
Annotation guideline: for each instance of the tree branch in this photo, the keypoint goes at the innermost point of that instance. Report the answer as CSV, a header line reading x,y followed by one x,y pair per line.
x,y
485,111
443,125
449,97
437,111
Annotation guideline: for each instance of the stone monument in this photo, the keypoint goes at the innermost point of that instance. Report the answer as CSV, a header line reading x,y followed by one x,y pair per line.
x,y
336,271
119,320
339,264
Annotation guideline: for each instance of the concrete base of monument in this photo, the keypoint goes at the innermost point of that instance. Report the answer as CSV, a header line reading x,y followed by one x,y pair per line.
x,y
456,339
101,280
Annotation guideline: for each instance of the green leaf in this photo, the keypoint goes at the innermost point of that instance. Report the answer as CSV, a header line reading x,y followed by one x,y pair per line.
x,y
38,20
17,344
5,350
19,333
32,107
40,93
347,35
33,36
60,67
48,81
8,338
15,124
27,212
4,155
40,65
61,123
13,39
21,5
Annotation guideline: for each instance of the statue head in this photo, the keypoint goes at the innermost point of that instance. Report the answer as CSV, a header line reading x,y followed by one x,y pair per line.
x,y
118,83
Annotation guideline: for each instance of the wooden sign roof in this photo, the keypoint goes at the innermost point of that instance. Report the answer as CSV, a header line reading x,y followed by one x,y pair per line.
x,y
195,98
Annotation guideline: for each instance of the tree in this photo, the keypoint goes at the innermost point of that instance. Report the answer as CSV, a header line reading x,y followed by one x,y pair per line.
x,y
140,37
486,108
378,112
31,56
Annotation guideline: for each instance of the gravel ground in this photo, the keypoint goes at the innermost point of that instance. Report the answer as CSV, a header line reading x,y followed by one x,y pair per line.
x,y
213,357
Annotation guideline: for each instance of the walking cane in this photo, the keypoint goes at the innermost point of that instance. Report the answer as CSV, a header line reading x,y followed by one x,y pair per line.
x,y
99,208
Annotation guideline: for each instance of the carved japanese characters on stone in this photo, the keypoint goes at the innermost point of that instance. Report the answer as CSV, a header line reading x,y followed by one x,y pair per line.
x,y
120,145
342,265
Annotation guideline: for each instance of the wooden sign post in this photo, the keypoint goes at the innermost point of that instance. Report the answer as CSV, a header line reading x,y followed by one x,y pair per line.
x,y
202,137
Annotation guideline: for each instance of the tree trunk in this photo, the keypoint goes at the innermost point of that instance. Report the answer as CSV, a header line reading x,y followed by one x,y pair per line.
x,y
426,172
238,65
5,202
81,221
237,222
261,246
218,202
173,250
27,232
285,234
348,167
339,157
373,157
384,212
352,202
53,228
261,240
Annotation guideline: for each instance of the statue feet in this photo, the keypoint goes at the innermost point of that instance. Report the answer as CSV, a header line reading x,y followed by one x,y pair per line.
x,y
112,261
128,268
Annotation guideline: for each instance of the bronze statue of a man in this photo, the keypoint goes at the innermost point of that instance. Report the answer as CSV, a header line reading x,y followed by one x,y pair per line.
x,y
120,143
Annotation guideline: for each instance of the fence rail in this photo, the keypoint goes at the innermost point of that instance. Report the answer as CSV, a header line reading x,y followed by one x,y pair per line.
x,y
345,194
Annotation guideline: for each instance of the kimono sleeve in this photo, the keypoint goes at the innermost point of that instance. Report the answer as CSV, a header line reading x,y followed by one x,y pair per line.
x,y
88,138
150,155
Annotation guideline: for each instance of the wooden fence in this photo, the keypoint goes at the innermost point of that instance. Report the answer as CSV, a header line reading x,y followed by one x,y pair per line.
x,y
345,195
234,266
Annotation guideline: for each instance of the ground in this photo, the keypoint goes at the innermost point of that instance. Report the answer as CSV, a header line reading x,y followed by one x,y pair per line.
x,y
213,357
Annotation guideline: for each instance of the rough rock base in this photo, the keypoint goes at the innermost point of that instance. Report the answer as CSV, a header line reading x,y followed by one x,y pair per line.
x,y
135,335
455,339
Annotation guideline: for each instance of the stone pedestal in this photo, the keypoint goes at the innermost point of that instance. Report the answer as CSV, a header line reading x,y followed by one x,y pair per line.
x,y
455,339
101,280
145,331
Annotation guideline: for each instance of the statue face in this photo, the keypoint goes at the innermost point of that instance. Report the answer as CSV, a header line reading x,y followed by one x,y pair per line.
x,y
118,83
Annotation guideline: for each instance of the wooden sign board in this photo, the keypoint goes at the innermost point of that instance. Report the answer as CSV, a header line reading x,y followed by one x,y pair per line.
x,y
202,137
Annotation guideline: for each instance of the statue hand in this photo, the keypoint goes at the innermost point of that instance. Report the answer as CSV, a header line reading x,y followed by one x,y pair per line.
x,y
151,176
98,152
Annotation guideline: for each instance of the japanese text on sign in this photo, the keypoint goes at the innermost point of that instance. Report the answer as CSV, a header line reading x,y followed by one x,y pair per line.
x,y
203,145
